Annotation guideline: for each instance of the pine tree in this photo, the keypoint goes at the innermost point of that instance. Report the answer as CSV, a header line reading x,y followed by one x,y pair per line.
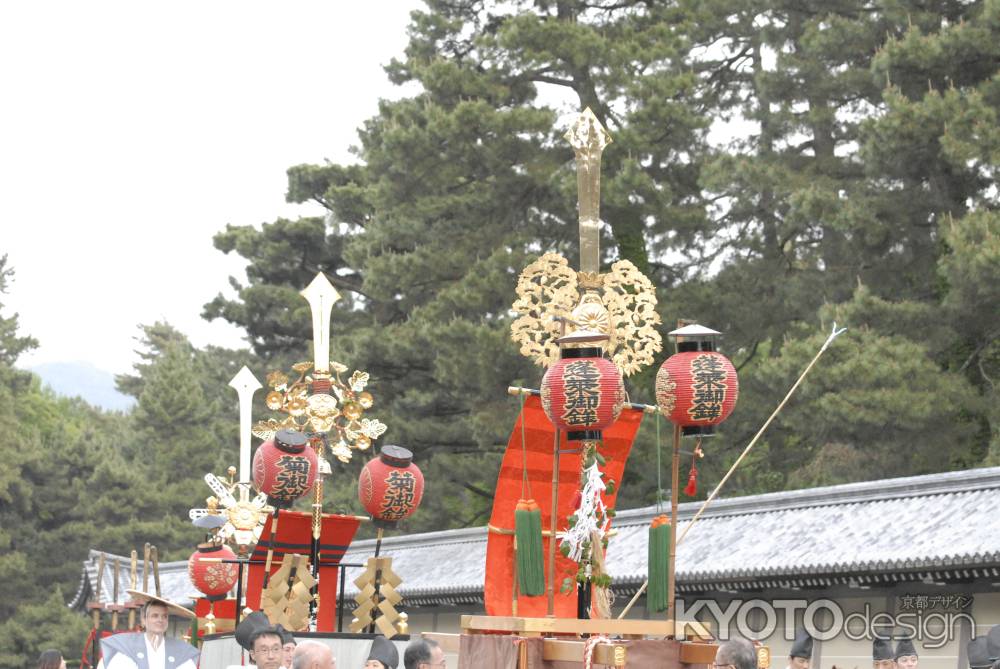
x,y
830,206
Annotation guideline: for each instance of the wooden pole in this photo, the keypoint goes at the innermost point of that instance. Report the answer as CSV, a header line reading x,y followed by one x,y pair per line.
x,y
133,581
239,591
96,611
517,583
674,484
553,524
270,546
145,568
115,571
829,340
378,577
155,556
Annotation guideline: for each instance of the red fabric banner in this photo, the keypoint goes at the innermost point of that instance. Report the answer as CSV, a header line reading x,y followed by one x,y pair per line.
x,y
539,435
295,537
223,610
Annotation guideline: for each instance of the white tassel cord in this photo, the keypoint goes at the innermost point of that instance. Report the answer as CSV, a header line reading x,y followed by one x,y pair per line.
x,y
591,507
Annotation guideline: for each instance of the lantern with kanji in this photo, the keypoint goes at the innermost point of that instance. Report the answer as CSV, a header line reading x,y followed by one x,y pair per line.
x,y
390,486
583,393
284,468
207,571
697,387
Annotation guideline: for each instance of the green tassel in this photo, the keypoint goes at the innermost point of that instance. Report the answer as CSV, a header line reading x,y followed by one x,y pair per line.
x,y
530,559
659,565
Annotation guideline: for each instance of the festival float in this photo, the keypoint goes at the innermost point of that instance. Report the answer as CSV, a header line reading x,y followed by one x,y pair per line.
x,y
546,586
546,590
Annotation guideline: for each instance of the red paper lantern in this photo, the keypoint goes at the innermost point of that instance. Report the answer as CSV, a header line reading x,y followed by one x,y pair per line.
x,y
213,579
697,390
583,393
390,486
284,468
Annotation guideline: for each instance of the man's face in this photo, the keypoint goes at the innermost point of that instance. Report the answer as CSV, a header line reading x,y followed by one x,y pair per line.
x,y
799,663
907,662
156,619
437,658
288,649
884,664
267,651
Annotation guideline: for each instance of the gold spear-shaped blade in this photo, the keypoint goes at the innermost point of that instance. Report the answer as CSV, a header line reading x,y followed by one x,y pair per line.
x,y
588,139
245,384
321,295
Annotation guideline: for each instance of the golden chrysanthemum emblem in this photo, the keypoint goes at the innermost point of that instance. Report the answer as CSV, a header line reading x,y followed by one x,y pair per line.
x,y
624,307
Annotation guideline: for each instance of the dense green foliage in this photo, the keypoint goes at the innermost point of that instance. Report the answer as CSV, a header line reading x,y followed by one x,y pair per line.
x,y
76,478
776,166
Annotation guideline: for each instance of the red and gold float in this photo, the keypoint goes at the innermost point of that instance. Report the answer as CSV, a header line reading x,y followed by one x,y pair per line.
x,y
583,393
390,486
284,467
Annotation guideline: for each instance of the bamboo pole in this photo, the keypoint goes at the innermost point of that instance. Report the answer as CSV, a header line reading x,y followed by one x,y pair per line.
x,y
96,613
155,556
829,340
115,571
133,581
674,499
270,546
553,520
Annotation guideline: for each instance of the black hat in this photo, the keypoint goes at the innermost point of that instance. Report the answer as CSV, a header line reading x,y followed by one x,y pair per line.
x,y
905,647
803,645
979,656
882,649
993,643
286,636
384,651
251,627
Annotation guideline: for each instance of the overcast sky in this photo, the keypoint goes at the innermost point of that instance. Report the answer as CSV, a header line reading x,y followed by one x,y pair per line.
x,y
131,132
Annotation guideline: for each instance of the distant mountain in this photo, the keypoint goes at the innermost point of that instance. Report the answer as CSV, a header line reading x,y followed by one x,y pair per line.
x,y
82,379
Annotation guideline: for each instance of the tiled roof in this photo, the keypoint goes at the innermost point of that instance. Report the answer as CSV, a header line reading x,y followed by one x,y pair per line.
x,y
938,526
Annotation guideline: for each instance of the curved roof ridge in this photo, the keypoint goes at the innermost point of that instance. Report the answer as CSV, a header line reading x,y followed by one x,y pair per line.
x,y
965,481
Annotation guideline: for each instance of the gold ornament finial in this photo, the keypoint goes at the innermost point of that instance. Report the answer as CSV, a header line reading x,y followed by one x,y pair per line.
x,y
588,139
620,304
319,400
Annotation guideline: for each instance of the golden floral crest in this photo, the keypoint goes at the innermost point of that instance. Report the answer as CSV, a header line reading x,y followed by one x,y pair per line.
x,y
323,404
625,308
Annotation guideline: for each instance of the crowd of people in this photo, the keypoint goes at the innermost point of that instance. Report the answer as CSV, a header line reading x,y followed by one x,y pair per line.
x,y
272,647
